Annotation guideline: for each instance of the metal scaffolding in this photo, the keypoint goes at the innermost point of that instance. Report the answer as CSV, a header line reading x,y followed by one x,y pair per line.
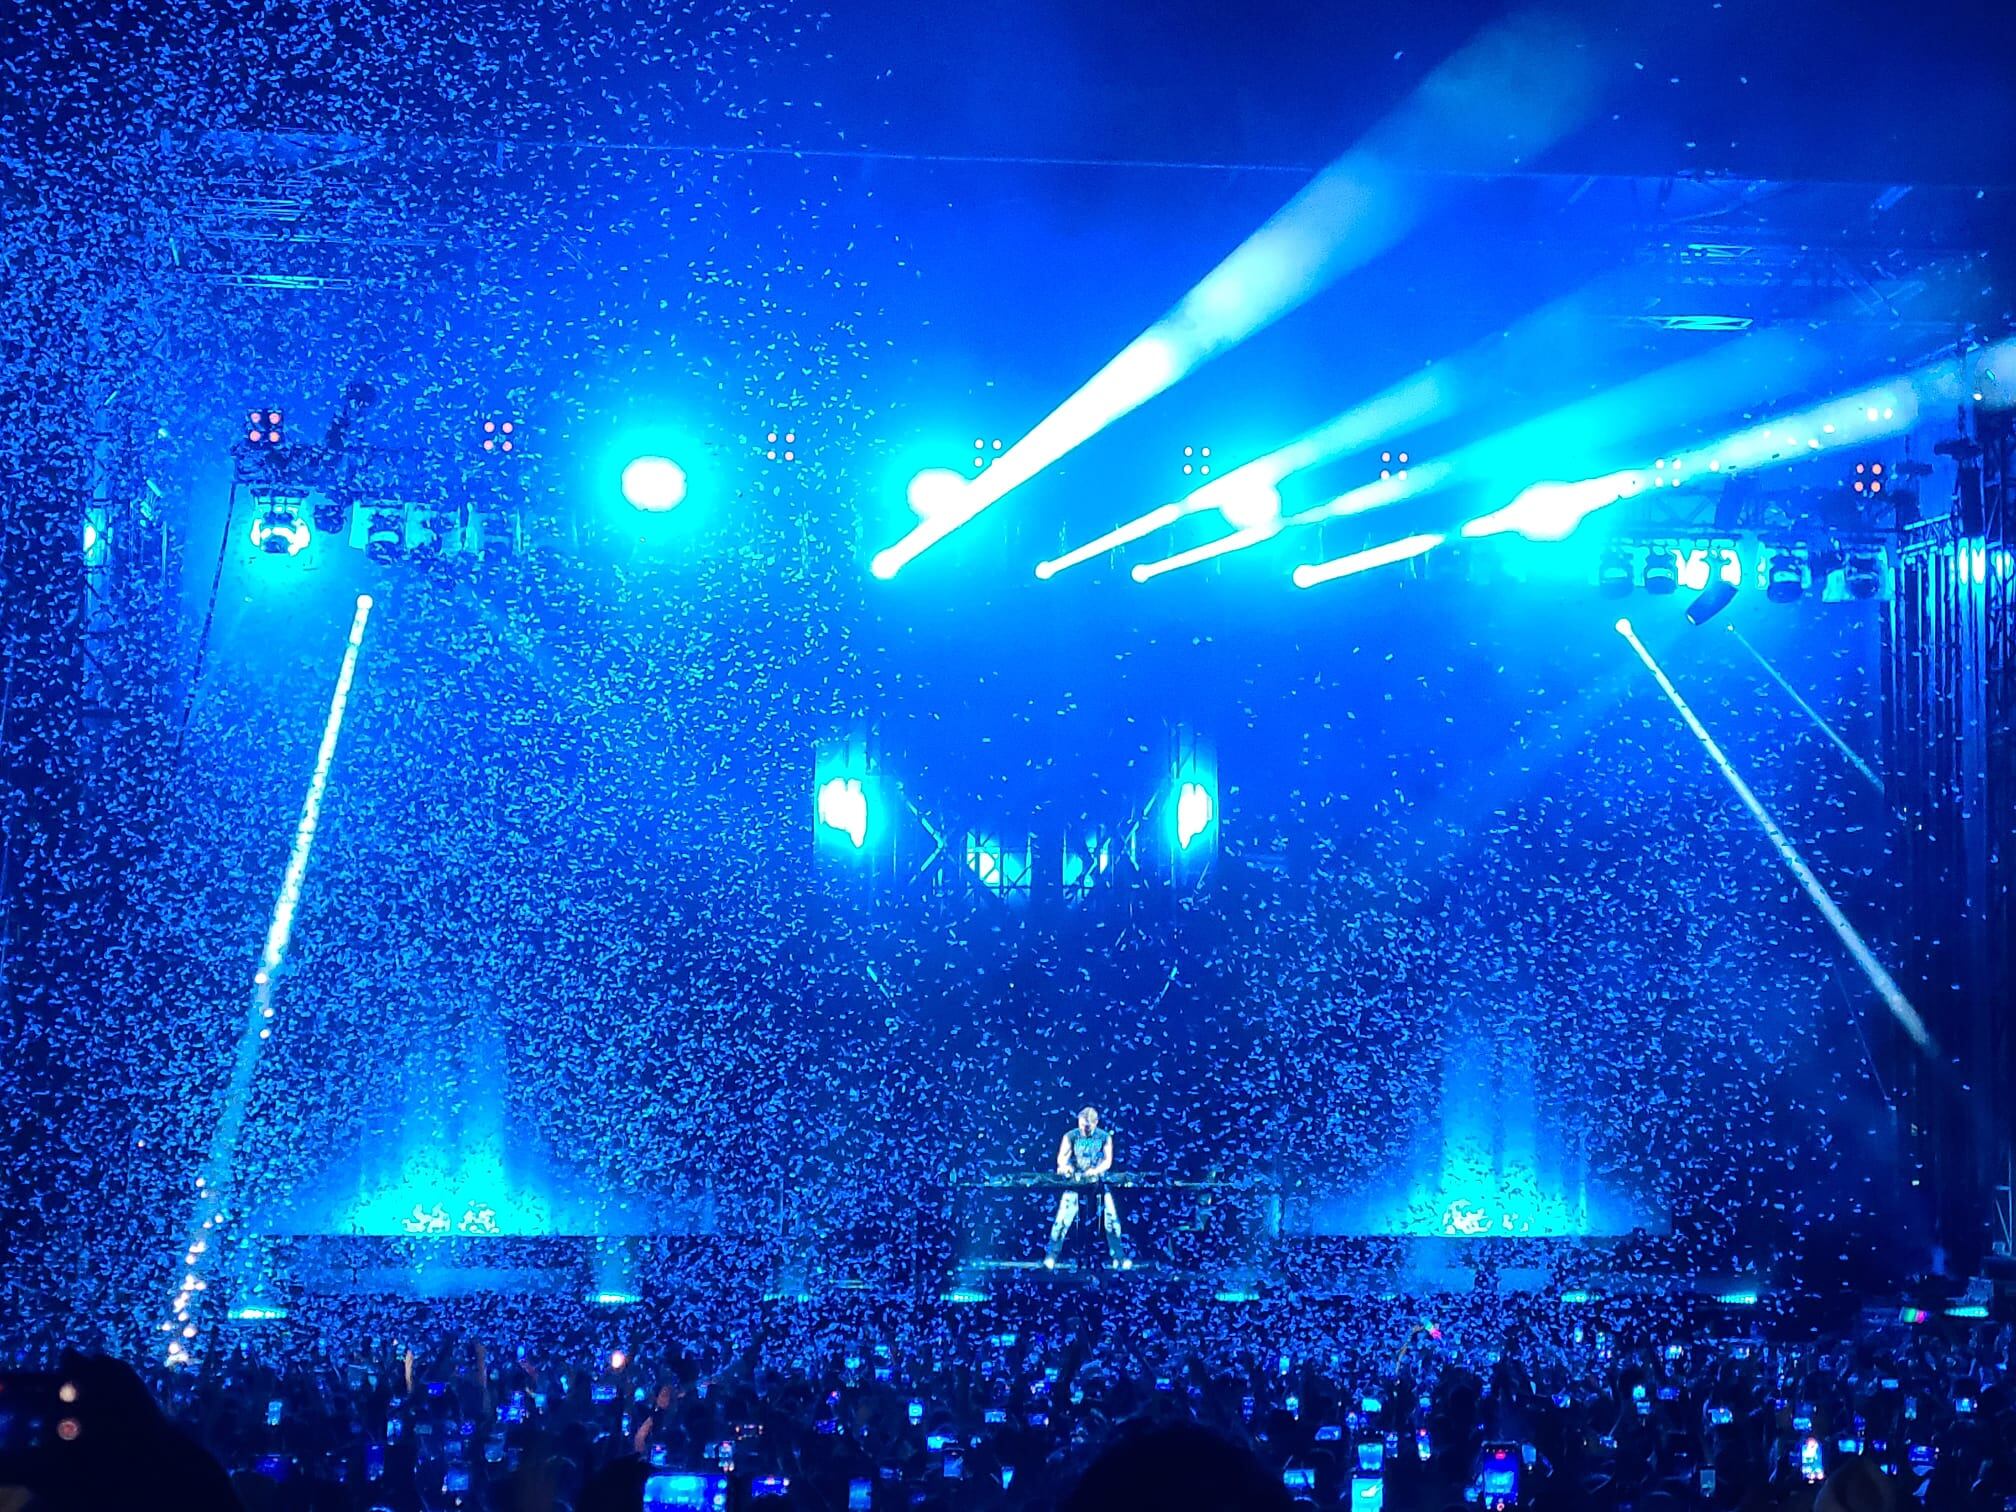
x,y
1949,685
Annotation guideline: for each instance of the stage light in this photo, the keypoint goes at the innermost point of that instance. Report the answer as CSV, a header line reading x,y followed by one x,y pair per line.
x,y
263,427
1662,570
1893,997
1352,212
1552,511
934,489
500,436
780,446
1193,800
1197,461
1714,598
97,541
1309,574
851,804
843,807
1823,562
1390,461
1613,572
277,527
1238,540
1862,573
331,516
654,484
385,533
1785,578
214,1180
1250,506
1251,492
982,454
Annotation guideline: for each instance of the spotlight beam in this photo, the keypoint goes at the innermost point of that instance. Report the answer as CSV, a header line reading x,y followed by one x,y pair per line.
x,y
1120,535
1354,501
1480,370
1309,574
1840,743
1893,996
1523,80
1253,535
214,1181
1551,511
1410,403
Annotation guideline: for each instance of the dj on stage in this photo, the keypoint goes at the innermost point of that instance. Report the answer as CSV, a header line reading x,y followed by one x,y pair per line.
x,y
1085,1155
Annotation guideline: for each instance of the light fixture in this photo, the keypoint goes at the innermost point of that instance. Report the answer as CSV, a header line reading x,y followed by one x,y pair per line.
x,y
1713,599
1784,577
654,484
1613,572
385,535
1662,570
1862,574
277,527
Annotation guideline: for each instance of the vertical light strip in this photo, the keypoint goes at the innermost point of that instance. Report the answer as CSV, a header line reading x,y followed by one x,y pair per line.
x,y
213,1182
1854,758
1893,996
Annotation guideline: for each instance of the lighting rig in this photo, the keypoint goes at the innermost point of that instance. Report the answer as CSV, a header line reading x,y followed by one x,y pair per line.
x,y
393,503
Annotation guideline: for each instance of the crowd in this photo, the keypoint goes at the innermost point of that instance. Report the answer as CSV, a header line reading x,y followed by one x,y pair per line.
x,y
1551,1409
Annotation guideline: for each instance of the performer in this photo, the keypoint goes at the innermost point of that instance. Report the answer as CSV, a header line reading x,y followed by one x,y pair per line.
x,y
1085,1155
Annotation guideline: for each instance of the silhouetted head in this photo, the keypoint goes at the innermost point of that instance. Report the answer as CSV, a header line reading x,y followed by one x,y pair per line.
x,y
1178,1465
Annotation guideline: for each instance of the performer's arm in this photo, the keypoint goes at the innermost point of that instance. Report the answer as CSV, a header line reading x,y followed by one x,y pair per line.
x,y
1106,1160
1064,1156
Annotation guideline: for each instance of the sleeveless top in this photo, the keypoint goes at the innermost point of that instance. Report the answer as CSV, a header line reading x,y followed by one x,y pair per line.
x,y
1087,1150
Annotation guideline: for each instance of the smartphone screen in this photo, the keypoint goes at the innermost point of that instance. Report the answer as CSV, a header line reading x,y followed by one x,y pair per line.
x,y
1811,1467
686,1491
1498,1476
